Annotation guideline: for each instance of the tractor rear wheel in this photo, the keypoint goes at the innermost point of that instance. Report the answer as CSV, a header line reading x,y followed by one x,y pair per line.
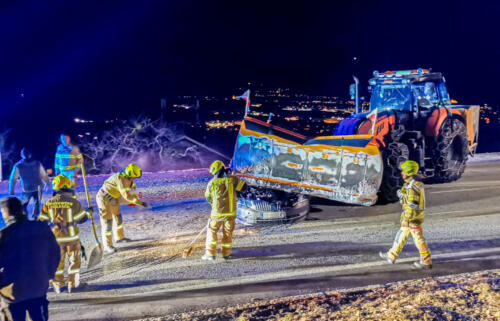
x,y
450,151
393,155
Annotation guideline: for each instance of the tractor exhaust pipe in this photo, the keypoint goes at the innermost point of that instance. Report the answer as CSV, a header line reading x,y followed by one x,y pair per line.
x,y
356,88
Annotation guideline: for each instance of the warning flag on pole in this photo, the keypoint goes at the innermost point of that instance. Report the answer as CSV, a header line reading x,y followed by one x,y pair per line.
x,y
246,98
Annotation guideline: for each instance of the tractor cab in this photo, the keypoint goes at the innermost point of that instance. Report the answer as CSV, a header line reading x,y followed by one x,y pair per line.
x,y
408,90
411,96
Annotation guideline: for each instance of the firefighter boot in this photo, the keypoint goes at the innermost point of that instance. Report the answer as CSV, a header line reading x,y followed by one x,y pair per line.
x,y
72,287
57,288
227,258
422,266
124,240
109,249
386,257
208,257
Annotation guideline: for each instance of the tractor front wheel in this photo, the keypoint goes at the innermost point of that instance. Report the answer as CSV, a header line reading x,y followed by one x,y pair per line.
x,y
450,151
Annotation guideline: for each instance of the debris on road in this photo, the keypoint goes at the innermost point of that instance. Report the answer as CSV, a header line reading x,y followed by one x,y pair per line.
x,y
470,296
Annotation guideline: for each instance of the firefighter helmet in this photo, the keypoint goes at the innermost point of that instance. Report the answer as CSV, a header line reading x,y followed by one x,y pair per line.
x,y
133,171
216,167
61,182
409,167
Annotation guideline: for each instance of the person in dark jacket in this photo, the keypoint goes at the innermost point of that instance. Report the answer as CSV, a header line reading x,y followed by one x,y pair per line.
x,y
29,256
33,177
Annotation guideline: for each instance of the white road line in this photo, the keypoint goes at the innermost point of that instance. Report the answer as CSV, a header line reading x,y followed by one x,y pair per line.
x,y
462,190
440,213
272,276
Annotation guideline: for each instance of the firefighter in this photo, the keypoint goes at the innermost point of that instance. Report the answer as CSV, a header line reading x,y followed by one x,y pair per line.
x,y
221,194
412,199
33,179
64,211
118,189
68,159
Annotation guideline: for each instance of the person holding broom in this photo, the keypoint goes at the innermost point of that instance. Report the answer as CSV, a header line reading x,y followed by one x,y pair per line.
x,y
221,194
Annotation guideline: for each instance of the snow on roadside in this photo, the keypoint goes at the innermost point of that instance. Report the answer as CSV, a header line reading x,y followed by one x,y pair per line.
x,y
470,296
484,158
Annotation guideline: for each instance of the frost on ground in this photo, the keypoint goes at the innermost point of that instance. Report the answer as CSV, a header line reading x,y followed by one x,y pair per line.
x,y
471,296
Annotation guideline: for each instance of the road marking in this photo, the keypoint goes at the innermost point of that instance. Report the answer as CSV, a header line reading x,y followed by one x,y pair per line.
x,y
462,190
440,213
271,276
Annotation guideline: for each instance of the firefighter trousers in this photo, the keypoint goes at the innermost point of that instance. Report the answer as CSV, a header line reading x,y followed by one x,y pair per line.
x,y
73,250
215,224
111,219
418,238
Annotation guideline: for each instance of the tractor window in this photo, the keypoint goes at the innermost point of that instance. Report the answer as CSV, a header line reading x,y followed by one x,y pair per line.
x,y
445,97
425,94
391,96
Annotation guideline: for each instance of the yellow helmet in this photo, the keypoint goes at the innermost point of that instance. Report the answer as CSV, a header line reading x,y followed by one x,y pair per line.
x,y
409,167
61,182
216,166
133,171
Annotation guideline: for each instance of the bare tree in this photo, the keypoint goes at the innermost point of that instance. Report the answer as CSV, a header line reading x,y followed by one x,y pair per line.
x,y
154,145
6,152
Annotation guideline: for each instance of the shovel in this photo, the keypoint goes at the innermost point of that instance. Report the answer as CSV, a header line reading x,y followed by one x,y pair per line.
x,y
96,253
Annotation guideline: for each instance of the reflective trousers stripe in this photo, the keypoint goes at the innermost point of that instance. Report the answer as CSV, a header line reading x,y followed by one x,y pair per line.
x,y
67,239
419,240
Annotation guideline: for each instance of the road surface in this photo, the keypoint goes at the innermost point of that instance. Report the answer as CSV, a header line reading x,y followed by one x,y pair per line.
x,y
335,248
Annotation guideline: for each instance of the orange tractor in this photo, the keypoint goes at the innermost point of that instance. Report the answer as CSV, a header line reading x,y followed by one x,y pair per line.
x,y
411,116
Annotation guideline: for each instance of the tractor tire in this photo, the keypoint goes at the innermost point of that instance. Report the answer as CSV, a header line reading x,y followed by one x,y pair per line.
x,y
394,154
450,151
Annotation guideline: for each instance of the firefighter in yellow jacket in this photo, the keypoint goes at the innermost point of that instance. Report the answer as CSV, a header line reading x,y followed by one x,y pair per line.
x,y
412,199
221,194
65,212
118,189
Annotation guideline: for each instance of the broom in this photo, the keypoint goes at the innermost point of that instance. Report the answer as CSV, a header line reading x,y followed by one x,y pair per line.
x,y
189,248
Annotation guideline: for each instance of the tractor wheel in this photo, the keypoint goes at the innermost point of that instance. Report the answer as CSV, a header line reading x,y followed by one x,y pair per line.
x,y
393,155
450,151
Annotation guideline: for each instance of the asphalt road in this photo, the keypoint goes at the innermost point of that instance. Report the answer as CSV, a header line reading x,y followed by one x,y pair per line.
x,y
335,248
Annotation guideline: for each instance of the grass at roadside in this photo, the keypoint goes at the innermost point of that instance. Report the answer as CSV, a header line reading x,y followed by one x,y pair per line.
x,y
471,296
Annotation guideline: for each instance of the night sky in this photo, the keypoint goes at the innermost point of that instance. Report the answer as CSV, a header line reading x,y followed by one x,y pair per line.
x,y
61,59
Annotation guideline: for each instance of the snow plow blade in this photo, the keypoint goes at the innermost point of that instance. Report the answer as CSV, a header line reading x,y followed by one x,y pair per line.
x,y
341,168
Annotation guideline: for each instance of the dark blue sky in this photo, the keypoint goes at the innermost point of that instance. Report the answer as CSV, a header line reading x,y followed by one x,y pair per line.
x,y
117,58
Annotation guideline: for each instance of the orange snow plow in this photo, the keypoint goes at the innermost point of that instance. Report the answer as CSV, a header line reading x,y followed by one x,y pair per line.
x,y
342,168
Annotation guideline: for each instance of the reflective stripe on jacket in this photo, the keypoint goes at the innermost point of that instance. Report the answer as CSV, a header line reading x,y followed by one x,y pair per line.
x,y
120,186
64,212
221,193
67,158
413,201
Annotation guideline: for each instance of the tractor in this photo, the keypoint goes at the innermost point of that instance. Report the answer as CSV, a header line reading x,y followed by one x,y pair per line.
x,y
411,116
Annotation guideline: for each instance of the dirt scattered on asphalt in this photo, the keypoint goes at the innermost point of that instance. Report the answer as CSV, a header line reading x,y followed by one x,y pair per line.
x,y
471,296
